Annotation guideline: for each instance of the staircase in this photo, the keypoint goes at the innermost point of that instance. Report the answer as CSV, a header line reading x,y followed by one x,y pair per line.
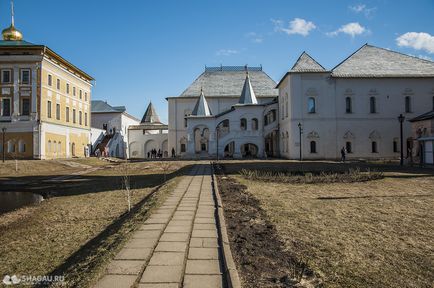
x,y
103,144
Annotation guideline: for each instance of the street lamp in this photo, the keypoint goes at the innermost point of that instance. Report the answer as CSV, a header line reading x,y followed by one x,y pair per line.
x,y
300,131
401,119
217,141
3,143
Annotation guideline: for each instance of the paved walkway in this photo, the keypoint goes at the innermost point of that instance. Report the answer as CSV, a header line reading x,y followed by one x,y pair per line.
x,y
177,246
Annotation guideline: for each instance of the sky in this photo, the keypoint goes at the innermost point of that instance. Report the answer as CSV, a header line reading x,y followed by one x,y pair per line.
x,y
141,50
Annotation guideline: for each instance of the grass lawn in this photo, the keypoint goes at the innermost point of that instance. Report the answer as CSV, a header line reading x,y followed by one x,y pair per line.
x,y
378,233
82,225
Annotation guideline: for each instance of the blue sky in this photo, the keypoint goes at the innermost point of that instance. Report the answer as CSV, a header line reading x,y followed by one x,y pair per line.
x,y
140,50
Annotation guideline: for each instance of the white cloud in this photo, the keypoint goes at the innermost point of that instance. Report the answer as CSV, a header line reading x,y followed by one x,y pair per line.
x,y
362,8
417,40
353,29
296,26
226,52
255,37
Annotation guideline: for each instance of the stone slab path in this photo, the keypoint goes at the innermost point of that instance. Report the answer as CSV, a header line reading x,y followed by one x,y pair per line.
x,y
177,246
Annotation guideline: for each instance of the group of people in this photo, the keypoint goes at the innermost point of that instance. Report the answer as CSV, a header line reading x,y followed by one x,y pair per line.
x,y
155,154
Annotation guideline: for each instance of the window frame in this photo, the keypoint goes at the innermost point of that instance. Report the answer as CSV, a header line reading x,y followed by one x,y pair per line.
x,y
312,144
58,116
67,114
374,147
50,80
29,82
85,119
3,99
10,76
311,110
372,105
407,104
49,109
74,116
58,84
22,99
80,118
348,105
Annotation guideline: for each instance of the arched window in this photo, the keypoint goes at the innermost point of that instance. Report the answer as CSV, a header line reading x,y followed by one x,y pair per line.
x,y
349,147
374,147
312,147
348,105
21,146
243,124
11,146
311,105
372,105
395,145
254,124
407,104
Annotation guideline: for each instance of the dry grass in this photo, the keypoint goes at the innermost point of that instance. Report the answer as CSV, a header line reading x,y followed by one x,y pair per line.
x,y
371,234
37,239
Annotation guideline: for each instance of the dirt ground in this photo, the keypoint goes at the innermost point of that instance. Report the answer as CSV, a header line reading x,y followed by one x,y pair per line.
x,y
371,234
82,222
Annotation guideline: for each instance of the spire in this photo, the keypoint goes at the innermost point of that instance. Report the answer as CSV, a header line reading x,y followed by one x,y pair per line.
x,y
201,108
248,95
11,33
150,115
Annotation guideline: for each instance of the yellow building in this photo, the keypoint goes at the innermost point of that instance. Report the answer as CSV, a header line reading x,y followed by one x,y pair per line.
x,y
44,101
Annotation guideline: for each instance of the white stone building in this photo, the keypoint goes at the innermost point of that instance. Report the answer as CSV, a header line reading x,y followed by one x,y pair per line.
x,y
226,110
354,105
110,128
149,135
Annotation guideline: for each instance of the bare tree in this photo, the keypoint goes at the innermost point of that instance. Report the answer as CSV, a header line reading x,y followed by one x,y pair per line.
x,y
165,166
126,182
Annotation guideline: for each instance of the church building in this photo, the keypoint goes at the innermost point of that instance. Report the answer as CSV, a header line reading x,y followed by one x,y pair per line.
x,y
228,111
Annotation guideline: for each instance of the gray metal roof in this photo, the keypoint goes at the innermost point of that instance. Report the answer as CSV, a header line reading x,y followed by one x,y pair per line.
x,y
371,61
248,95
150,115
426,116
305,63
201,108
228,81
99,106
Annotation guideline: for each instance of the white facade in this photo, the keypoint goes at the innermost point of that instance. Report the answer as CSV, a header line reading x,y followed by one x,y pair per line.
x,y
358,112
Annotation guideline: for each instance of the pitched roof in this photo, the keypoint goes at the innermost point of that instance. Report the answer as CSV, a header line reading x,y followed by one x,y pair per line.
x,y
99,106
21,43
371,61
229,80
426,116
201,108
150,115
248,95
305,63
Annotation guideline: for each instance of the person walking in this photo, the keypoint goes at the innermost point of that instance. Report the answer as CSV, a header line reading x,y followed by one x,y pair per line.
x,y
343,154
173,152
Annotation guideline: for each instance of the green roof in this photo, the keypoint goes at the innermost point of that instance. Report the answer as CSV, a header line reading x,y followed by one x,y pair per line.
x,y
4,43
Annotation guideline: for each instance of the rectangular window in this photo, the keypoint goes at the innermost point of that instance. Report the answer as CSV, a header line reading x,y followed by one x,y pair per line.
x,y
25,106
58,84
85,96
374,148
395,146
6,107
6,76
182,148
67,114
50,80
73,91
58,111
407,104
85,119
81,94
74,120
373,105
80,118
348,105
349,147
49,109
25,76
67,88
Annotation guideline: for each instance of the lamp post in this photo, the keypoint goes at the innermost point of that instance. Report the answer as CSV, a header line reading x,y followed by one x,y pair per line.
x,y
401,119
217,141
3,143
300,131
